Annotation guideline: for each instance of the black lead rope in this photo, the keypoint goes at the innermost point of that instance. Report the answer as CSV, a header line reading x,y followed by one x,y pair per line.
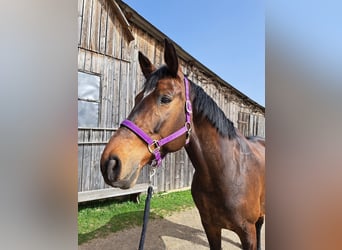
x,y
146,216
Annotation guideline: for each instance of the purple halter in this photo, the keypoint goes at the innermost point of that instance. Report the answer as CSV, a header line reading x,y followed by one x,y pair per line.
x,y
155,145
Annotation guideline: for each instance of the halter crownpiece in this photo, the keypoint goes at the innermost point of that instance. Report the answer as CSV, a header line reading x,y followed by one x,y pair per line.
x,y
154,146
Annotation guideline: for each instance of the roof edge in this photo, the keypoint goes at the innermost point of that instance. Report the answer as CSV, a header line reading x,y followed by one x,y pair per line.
x,y
123,20
134,17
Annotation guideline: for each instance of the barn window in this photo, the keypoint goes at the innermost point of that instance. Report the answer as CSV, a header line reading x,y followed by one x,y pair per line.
x,y
243,123
88,99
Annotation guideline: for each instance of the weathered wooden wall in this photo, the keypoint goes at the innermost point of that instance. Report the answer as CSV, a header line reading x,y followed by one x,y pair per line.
x,y
104,50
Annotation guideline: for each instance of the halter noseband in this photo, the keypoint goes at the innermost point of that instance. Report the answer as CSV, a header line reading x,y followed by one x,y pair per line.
x,y
155,145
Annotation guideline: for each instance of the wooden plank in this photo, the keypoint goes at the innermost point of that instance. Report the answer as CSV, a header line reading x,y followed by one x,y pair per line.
x,y
182,168
174,168
95,26
121,115
141,46
79,170
161,176
108,92
110,112
227,105
94,63
125,90
103,27
261,126
158,54
86,23
86,174
125,46
95,172
251,126
178,169
110,33
81,59
104,93
99,183
186,170
171,176
92,176
156,178
133,91
133,70
80,160
99,150
86,164
256,120
80,19
116,92
80,7
130,88
88,59
143,177
103,89
117,37
112,192
230,115
166,182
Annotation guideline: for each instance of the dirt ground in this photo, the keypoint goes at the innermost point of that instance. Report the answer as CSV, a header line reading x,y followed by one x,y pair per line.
x,y
180,231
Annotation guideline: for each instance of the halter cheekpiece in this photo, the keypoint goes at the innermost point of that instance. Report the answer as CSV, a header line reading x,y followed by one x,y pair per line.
x,y
154,146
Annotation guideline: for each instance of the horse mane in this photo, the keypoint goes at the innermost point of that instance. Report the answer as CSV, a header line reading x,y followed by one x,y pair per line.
x,y
203,104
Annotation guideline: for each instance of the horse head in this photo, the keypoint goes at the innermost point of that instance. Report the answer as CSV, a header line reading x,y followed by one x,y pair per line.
x,y
158,112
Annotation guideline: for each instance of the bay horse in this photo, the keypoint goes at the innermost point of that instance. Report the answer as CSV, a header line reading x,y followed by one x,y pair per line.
x,y
228,185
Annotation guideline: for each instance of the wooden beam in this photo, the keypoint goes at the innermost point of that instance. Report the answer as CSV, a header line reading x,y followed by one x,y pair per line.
x,y
112,192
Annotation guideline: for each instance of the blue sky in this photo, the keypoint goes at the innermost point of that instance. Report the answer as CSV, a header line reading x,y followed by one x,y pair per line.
x,y
227,36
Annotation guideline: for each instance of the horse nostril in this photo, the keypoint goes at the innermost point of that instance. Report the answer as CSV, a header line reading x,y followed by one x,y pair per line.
x,y
113,168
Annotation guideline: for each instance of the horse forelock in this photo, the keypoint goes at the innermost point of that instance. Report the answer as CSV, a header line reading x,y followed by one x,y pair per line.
x,y
151,82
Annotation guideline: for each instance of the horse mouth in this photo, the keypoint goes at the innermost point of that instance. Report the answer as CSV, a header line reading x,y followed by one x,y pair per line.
x,y
126,182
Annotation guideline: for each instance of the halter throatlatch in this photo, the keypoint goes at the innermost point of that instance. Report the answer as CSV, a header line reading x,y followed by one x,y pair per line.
x,y
154,146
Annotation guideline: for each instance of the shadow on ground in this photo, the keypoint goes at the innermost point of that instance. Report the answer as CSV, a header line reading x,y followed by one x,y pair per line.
x,y
160,233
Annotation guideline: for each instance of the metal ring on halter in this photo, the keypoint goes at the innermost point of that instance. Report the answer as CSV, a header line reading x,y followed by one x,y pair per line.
x,y
155,143
188,106
152,172
188,127
154,163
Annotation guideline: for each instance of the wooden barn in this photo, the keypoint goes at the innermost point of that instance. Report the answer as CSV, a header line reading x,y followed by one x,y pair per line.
x,y
110,35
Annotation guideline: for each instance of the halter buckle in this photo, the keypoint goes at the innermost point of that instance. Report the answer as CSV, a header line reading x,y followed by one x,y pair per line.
x,y
156,146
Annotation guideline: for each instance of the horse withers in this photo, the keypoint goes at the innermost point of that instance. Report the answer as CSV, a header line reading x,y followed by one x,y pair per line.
x,y
172,112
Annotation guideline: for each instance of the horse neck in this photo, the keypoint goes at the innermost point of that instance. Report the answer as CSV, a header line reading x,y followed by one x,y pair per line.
x,y
205,147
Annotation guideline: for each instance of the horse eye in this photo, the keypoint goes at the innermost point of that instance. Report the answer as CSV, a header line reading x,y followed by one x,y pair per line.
x,y
165,99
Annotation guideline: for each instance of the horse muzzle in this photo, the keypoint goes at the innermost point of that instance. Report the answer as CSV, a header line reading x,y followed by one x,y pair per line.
x,y
112,173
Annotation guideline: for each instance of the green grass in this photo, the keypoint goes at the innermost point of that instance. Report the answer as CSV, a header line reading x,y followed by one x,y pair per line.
x,y
98,219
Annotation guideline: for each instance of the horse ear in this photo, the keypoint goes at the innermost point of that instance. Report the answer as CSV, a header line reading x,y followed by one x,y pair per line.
x,y
170,57
146,66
